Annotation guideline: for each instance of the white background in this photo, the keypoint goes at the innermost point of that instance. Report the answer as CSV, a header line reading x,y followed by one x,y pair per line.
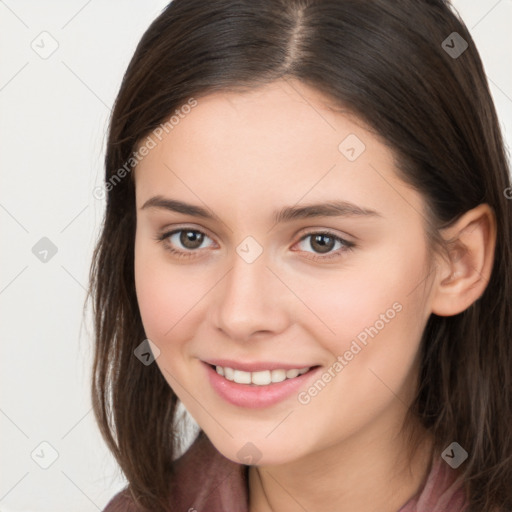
x,y
53,121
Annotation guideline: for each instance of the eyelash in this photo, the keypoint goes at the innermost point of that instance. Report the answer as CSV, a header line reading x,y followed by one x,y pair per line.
x,y
348,246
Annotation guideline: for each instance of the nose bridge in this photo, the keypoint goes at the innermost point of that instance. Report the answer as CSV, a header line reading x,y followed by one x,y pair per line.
x,y
249,299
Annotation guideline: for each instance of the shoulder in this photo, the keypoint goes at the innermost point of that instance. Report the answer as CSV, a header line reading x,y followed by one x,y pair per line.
x,y
203,480
121,502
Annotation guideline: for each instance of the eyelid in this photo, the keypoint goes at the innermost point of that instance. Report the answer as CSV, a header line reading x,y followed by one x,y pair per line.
x,y
170,230
312,230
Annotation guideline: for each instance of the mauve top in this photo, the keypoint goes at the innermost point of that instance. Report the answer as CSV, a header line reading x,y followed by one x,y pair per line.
x,y
206,481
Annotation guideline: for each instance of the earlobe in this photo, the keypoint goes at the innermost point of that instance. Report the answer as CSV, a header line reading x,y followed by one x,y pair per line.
x,y
462,277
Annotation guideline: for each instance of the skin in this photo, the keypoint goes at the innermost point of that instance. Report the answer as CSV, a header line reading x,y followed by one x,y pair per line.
x,y
243,156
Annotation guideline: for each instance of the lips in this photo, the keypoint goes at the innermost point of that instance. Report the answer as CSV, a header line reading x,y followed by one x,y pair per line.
x,y
251,396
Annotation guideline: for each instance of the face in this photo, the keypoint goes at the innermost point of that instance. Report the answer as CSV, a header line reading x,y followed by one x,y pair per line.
x,y
340,291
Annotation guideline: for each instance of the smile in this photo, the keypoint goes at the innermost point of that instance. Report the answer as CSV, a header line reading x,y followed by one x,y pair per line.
x,y
262,378
258,389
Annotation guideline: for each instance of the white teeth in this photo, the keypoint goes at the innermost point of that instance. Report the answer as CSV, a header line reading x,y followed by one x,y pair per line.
x,y
278,375
242,377
262,378
229,373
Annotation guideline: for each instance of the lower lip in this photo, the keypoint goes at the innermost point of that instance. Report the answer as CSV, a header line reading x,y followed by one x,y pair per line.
x,y
256,397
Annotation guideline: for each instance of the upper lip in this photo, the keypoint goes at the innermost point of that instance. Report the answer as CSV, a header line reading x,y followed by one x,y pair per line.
x,y
256,366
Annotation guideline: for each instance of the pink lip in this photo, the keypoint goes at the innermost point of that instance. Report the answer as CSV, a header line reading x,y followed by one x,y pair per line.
x,y
256,367
256,397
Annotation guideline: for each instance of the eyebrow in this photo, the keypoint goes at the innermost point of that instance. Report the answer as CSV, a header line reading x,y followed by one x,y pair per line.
x,y
333,208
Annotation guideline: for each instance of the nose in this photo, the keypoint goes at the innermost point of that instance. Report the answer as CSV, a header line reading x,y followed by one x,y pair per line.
x,y
252,300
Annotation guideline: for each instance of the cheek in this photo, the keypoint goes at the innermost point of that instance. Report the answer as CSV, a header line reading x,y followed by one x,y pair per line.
x,y
170,297
372,316
156,291
378,316
345,304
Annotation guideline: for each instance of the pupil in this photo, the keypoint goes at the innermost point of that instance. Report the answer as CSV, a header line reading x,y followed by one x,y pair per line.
x,y
189,237
323,246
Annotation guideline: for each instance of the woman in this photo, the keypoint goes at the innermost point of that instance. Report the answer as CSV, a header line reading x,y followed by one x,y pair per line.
x,y
307,243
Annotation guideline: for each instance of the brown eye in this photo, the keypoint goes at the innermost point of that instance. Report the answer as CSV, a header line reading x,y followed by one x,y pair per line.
x,y
322,243
191,239
183,242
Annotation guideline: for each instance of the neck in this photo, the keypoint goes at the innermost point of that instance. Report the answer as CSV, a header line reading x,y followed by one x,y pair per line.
x,y
372,471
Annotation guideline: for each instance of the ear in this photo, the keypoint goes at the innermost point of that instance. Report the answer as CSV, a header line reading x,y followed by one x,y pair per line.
x,y
462,277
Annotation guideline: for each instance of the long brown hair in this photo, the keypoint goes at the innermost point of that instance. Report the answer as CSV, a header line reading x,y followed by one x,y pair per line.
x,y
389,63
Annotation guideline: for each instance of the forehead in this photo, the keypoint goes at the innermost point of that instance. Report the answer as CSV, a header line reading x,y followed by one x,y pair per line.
x,y
272,145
